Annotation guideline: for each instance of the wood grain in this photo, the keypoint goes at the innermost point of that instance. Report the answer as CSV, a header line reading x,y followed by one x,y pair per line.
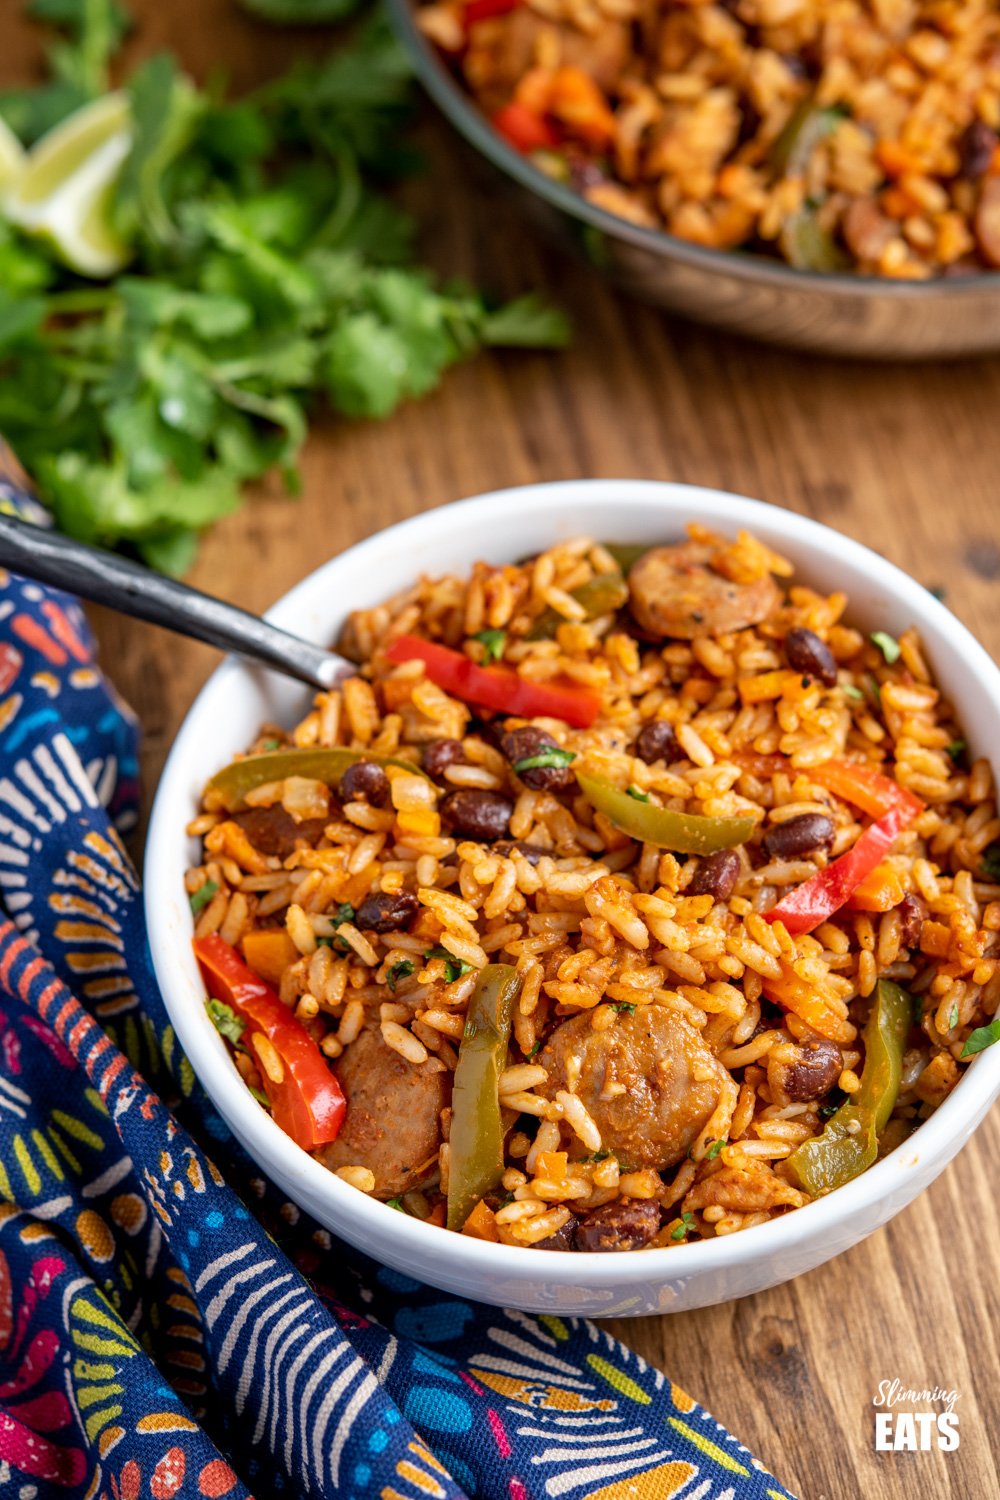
x,y
904,459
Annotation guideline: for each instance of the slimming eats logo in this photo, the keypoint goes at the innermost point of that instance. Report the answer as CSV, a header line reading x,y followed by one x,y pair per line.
x,y
900,1428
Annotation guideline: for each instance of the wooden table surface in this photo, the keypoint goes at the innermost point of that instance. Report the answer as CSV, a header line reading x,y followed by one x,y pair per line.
x,y
904,459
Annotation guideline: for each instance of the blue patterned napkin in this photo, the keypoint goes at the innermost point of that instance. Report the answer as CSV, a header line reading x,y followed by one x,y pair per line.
x,y
169,1324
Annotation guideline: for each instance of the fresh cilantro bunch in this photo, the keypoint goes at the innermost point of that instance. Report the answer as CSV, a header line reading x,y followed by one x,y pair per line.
x,y
271,275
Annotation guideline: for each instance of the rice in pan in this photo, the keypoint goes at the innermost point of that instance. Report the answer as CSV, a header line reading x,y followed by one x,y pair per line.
x,y
470,856
846,136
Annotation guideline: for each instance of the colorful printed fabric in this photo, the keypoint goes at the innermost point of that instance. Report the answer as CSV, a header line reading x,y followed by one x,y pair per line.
x,y
169,1325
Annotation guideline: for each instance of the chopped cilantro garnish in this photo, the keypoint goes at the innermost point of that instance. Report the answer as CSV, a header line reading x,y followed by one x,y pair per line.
x,y
850,691
633,791
398,971
873,689
270,744
203,895
623,1007
396,1203
684,1228
225,1020
981,1038
552,756
535,1049
492,642
956,750
598,1156
953,1018
991,861
345,913
713,1150
887,644
833,1103
454,967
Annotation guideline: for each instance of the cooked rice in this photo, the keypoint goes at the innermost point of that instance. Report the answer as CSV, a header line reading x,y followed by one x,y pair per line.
x,y
598,922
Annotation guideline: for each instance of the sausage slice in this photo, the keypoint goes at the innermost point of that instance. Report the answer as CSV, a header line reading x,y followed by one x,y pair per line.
x,y
675,593
393,1120
649,1083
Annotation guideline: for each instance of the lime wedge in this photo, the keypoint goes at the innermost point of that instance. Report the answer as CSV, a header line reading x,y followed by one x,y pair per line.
x,y
64,189
12,156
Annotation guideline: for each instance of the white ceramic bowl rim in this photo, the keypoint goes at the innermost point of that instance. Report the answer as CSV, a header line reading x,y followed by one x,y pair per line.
x,y
263,1139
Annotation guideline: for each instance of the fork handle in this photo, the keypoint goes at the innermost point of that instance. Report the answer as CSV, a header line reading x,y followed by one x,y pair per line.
x,y
132,589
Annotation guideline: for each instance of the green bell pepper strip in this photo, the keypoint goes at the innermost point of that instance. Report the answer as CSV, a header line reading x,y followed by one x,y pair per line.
x,y
627,554
807,125
475,1161
684,833
849,1144
602,595
228,788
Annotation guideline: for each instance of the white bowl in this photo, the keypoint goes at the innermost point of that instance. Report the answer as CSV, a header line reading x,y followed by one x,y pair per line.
x,y
237,699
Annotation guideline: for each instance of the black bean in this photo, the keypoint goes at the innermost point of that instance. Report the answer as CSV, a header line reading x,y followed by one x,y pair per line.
x,y
975,149
812,1073
273,831
524,744
912,912
717,875
440,754
657,741
476,814
531,852
806,653
625,1224
798,836
562,1239
365,781
386,912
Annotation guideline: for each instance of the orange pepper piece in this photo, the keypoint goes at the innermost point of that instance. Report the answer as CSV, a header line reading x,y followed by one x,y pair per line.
x,y
581,108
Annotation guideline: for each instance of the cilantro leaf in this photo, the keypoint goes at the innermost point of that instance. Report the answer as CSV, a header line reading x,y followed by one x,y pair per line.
x,y
454,967
552,755
493,642
684,1228
623,1007
990,861
636,795
713,1150
981,1038
202,896
301,12
527,323
225,1020
956,750
396,972
887,644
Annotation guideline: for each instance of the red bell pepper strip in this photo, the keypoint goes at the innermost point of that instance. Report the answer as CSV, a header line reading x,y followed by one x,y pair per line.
x,y
485,10
497,687
865,787
817,898
523,129
309,1103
